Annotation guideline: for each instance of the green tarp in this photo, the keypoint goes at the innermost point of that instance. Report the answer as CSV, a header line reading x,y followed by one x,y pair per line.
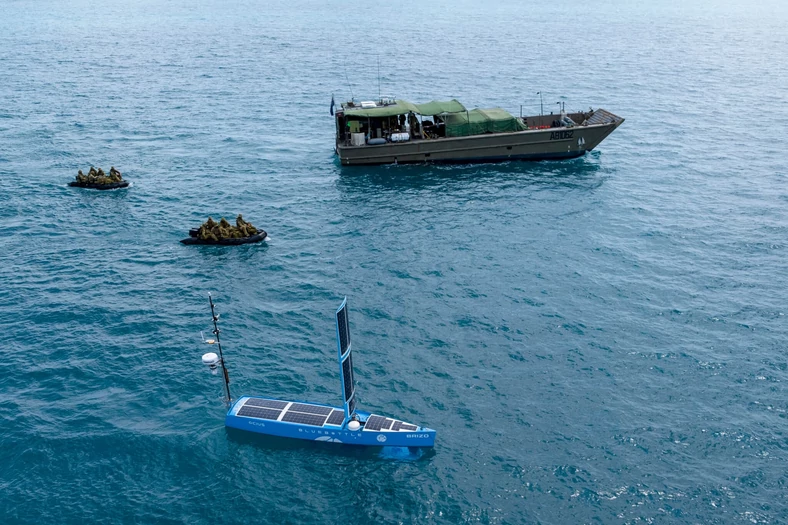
x,y
403,107
437,107
478,121
459,121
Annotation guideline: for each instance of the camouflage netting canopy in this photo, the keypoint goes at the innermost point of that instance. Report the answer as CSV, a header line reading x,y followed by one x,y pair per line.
x,y
479,121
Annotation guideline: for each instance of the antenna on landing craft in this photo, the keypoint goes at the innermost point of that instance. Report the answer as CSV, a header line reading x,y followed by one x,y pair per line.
x,y
352,98
379,97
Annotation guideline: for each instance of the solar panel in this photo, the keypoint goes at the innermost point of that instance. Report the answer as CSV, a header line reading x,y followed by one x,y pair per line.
x,y
387,424
343,331
259,412
347,375
337,417
310,409
268,403
374,423
304,419
405,426
396,425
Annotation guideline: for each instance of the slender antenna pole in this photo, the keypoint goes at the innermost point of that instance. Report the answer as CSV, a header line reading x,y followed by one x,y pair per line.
x,y
379,97
352,98
219,344
541,103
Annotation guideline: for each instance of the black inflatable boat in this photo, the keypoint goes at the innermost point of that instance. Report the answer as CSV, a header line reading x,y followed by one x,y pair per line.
x,y
95,186
193,239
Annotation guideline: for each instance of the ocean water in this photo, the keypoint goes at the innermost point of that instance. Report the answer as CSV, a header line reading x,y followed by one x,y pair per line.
x,y
597,340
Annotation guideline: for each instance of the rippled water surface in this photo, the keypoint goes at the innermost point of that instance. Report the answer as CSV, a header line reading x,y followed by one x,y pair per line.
x,y
596,340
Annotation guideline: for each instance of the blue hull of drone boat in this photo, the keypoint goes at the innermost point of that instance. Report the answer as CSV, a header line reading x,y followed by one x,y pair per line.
x,y
315,422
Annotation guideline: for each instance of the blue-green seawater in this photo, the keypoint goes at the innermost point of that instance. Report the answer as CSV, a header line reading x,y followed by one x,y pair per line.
x,y
596,340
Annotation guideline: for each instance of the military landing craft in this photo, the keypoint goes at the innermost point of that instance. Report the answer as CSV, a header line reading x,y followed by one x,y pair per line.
x,y
396,131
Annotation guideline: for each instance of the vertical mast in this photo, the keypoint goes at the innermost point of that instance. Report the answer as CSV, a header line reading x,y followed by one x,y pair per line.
x,y
215,317
345,361
350,87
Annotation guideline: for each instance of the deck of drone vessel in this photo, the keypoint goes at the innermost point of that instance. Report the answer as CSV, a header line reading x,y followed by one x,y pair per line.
x,y
312,415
